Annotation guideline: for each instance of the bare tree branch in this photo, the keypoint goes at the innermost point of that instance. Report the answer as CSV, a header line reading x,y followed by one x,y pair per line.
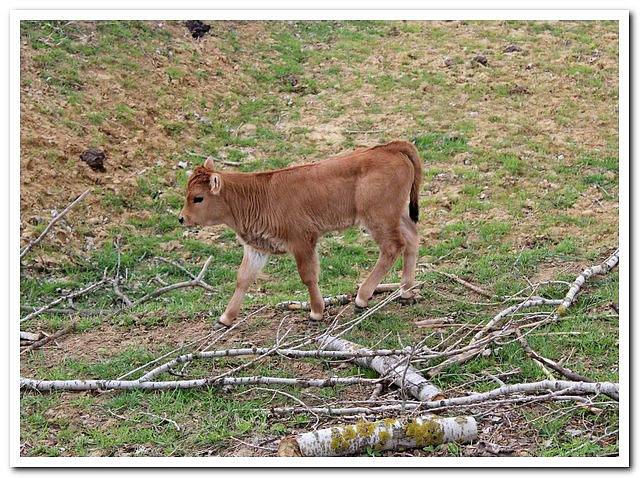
x,y
59,216
84,385
90,288
549,363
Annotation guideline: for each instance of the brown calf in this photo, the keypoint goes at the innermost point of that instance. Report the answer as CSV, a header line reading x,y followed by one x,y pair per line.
x,y
288,210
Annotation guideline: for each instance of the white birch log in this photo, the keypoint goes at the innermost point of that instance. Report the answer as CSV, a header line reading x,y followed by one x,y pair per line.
x,y
388,434
84,385
398,369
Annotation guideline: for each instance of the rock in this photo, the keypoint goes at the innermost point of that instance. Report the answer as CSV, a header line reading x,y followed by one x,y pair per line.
x,y
464,157
95,158
197,28
447,61
171,245
202,119
529,66
512,49
519,90
247,129
481,59
291,80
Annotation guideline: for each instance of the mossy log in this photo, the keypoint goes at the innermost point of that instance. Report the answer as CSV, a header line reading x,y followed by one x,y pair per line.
x,y
398,369
387,434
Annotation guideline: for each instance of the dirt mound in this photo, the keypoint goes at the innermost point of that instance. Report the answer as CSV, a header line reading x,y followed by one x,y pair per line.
x,y
140,119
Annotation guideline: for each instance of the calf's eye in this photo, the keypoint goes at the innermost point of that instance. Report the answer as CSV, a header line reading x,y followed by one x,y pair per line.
x,y
198,199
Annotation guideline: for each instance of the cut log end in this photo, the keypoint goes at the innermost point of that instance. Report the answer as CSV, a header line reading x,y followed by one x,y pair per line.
x,y
289,447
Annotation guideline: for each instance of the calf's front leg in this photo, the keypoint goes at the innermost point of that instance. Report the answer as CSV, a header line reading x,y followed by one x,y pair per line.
x,y
252,263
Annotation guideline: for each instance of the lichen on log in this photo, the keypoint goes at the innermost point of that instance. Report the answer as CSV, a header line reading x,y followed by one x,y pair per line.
x,y
387,434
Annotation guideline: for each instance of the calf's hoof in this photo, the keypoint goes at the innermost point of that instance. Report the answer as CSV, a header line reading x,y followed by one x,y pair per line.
x,y
404,301
220,326
315,316
357,310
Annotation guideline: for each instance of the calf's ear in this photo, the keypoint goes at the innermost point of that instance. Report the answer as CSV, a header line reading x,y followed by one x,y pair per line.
x,y
208,163
216,183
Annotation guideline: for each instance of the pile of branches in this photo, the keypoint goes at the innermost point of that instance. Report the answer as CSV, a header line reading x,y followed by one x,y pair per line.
x,y
404,418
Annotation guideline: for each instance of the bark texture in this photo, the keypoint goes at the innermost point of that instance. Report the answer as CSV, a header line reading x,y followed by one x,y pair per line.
x,y
387,434
398,369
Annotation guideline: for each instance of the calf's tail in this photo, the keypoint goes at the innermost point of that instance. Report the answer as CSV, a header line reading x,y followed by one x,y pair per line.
x,y
412,153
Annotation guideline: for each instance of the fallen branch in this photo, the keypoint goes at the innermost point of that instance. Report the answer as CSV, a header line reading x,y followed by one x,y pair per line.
x,y
328,301
564,386
436,323
398,370
603,268
69,310
116,280
84,385
499,319
197,281
40,343
263,351
477,289
66,297
549,363
202,283
59,216
30,337
342,299
501,316
217,160
388,434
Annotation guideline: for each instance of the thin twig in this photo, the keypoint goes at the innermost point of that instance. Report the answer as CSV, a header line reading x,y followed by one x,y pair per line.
x,y
59,216
42,342
72,295
549,363
193,282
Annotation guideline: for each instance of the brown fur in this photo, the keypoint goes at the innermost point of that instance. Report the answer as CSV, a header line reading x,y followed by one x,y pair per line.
x,y
288,210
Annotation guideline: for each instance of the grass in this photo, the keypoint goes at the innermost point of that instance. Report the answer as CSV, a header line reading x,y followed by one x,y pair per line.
x,y
517,188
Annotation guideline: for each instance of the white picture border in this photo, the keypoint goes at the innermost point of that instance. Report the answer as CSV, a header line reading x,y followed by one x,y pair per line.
x,y
622,16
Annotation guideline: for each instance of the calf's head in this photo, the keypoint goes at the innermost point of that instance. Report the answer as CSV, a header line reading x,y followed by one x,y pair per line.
x,y
202,204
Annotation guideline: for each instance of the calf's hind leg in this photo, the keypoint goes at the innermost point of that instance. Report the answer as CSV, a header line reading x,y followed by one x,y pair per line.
x,y
252,263
409,232
391,243
309,270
